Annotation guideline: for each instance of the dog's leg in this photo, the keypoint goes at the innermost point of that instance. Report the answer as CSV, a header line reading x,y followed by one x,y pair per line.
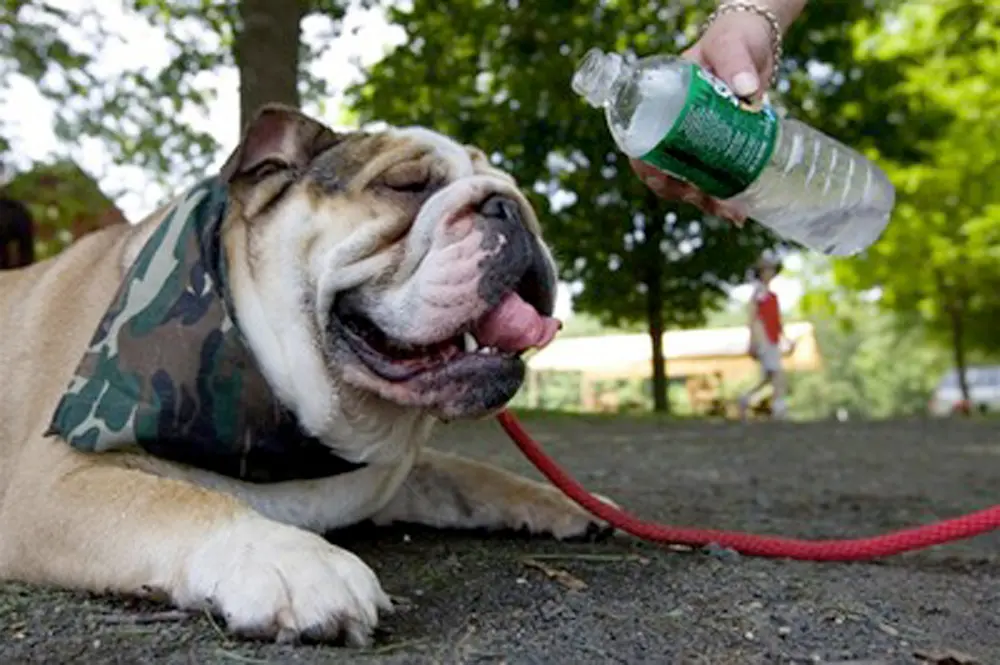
x,y
453,492
108,528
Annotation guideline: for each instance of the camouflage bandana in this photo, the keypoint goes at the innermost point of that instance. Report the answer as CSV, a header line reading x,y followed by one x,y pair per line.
x,y
168,370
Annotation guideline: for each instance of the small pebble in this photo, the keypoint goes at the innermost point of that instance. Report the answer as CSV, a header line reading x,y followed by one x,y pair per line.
x,y
721,553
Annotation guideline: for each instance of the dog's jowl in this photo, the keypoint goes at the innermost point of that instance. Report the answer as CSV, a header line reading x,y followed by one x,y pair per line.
x,y
191,400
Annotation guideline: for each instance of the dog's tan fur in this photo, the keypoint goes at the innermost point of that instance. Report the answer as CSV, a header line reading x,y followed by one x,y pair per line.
x,y
135,524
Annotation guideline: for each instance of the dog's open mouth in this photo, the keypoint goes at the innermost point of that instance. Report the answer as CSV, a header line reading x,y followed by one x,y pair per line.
x,y
496,339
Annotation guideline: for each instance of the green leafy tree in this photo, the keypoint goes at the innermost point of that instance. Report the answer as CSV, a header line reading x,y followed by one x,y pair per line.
x,y
138,115
497,75
30,45
876,364
938,261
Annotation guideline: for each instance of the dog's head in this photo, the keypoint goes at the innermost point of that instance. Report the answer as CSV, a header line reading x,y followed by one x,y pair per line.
x,y
397,263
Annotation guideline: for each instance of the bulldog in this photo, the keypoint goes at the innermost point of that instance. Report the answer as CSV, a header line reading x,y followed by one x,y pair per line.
x,y
190,401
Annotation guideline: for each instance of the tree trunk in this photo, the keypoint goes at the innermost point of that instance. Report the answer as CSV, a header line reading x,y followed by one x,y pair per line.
x,y
653,278
654,309
954,298
958,349
266,49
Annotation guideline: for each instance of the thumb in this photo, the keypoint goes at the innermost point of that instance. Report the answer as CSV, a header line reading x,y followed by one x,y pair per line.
x,y
732,61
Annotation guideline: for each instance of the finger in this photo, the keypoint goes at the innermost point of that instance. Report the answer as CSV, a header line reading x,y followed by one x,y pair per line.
x,y
695,54
662,184
734,213
732,61
671,189
644,170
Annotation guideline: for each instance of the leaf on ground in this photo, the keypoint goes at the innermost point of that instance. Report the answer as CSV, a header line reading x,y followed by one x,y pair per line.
x,y
568,580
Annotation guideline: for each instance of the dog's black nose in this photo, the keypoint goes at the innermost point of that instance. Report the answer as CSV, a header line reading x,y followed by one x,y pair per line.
x,y
498,206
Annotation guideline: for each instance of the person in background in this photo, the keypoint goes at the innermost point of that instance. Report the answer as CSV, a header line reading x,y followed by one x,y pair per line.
x,y
741,44
17,230
766,335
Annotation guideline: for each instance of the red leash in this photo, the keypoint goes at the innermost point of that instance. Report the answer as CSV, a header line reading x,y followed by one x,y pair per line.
x,y
859,549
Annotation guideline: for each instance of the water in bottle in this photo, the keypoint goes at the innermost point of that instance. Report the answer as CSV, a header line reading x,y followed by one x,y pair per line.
x,y
800,183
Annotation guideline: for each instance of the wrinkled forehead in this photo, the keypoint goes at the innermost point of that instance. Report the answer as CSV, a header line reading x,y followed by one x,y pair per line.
x,y
361,155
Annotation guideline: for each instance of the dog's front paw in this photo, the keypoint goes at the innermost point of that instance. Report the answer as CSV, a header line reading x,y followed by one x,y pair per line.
x,y
552,512
270,580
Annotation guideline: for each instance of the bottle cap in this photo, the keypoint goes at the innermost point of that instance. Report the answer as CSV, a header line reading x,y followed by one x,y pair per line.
x,y
595,76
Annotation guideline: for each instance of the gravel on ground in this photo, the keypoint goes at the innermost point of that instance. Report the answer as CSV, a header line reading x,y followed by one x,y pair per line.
x,y
505,598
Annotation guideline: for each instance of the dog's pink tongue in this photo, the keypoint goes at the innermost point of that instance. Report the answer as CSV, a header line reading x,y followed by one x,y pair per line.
x,y
514,325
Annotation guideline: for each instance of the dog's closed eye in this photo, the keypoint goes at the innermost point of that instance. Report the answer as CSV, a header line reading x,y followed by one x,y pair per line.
x,y
267,167
408,178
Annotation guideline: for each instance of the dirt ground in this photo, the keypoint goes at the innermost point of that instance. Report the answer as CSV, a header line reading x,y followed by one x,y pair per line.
x,y
470,598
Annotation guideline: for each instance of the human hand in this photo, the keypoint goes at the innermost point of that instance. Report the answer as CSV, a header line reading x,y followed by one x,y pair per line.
x,y
738,48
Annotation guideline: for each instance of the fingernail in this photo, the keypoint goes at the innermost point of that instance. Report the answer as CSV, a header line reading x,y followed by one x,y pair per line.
x,y
745,84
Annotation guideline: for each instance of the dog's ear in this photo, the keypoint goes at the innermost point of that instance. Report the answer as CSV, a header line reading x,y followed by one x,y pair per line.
x,y
278,137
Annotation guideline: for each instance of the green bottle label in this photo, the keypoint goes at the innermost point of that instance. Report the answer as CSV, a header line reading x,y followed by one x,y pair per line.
x,y
718,144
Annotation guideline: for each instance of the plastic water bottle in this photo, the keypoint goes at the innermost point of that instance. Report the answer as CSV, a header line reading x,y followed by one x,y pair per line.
x,y
800,183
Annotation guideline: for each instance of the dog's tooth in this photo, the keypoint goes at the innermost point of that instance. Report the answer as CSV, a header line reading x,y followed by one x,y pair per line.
x,y
471,345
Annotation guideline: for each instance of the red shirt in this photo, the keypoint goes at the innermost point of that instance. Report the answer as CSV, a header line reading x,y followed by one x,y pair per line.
x,y
769,313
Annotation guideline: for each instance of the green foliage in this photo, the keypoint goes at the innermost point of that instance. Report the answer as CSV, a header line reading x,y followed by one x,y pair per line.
x,y
30,45
735,314
139,115
938,259
876,365
914,83
561,391
582,324
859,100
557,391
